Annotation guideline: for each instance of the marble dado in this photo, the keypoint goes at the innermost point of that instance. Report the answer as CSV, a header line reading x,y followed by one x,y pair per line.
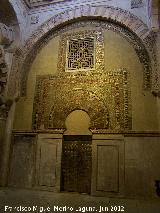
x,y
36,159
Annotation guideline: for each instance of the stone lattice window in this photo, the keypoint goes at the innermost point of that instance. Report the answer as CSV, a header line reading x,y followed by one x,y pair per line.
x,y
80,54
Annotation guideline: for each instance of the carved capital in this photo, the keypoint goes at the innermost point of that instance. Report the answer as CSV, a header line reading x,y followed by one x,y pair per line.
x,y
6,34
3,112
5,104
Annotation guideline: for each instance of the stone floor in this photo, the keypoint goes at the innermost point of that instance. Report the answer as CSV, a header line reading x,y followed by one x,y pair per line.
x,y
13,200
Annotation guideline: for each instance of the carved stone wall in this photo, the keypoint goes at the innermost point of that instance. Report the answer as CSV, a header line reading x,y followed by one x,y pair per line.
x,y
104,96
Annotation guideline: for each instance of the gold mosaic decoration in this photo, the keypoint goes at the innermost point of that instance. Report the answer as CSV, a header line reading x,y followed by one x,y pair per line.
x,y
81,51
105,96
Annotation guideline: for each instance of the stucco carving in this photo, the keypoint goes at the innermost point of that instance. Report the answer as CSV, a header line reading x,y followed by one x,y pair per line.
x,y
125,18
6,34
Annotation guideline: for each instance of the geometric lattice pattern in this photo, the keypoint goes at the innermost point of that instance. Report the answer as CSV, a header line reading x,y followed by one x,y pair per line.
x,y
80,54
81,51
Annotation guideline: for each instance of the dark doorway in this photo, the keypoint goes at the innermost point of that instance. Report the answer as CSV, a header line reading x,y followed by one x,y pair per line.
x,y
76,163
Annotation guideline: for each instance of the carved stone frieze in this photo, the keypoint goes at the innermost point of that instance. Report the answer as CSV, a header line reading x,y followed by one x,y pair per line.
x,y
105,96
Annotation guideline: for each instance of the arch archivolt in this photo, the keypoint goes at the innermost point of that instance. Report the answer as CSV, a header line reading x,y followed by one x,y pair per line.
x,y
126,23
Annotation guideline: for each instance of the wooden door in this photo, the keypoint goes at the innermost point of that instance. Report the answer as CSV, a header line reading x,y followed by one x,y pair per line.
x,y
76,164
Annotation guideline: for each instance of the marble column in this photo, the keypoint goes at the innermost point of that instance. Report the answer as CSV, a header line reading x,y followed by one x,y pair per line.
x,y
2,133
6,39
5,105
158,64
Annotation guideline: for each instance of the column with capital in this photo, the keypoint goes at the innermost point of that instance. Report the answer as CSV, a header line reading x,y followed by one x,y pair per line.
x,y
2,133
5,105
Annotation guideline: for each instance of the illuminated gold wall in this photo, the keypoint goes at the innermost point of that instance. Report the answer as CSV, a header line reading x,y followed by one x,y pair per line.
x,y
118,53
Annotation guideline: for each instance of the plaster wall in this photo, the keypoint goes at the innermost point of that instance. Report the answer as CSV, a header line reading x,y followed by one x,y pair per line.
x,y
141,165
45,63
